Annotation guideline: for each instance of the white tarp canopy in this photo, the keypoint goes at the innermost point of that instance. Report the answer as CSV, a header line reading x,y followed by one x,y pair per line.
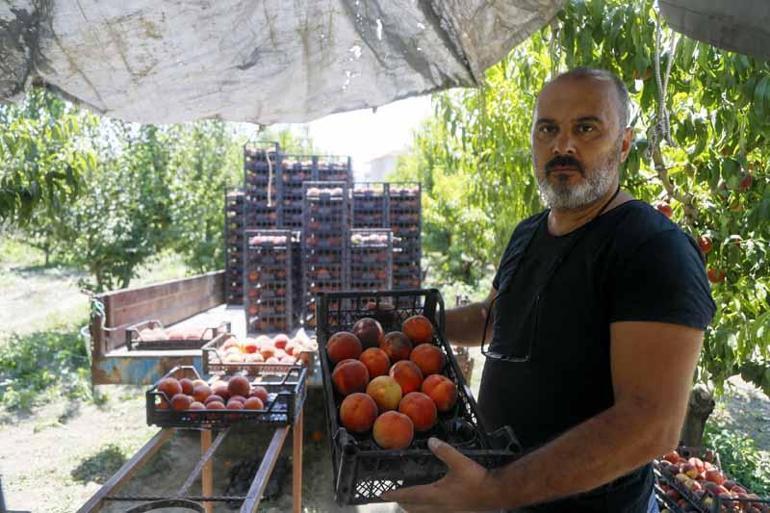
x,y
265,61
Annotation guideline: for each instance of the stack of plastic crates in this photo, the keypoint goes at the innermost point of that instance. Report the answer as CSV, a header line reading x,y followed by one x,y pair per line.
x,y
405,216
296,276
370,205
262,187
268,281
234,226
325,241
295,170
371,252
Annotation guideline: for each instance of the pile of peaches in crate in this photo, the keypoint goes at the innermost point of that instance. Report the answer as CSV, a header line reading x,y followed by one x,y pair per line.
x,y
276,349
235,393
391,383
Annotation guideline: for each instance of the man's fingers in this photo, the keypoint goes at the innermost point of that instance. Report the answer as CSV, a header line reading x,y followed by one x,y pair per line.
x,y
448,454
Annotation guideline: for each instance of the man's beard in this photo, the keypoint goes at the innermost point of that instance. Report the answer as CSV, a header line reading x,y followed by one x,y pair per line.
x,y
597,183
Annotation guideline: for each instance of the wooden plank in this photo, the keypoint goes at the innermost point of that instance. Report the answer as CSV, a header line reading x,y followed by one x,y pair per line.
x,y
204,464
265,469
129,468
296,464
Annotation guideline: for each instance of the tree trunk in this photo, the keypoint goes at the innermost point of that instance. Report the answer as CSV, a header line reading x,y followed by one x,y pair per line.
x,y
699,408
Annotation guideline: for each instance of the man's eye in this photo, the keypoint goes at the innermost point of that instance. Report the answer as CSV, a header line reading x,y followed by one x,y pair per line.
x,y
585,129
547,129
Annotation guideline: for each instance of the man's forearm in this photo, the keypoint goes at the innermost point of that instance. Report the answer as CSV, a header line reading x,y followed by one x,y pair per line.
x,y
465,324
595,452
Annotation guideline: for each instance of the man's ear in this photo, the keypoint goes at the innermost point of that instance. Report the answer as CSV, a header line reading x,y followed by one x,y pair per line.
x,y
625,147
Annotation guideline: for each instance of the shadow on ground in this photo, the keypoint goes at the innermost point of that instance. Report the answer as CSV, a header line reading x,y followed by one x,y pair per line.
x,y
101,466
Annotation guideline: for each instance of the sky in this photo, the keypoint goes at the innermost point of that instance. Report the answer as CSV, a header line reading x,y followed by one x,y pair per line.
x,y
364,135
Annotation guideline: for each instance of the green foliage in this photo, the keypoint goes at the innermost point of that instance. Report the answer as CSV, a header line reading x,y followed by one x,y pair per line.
x,y
99,467
43,155
473,159
42,365
740,457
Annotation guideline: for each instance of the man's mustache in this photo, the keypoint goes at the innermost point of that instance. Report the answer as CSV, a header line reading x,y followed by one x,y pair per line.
x,y
563,161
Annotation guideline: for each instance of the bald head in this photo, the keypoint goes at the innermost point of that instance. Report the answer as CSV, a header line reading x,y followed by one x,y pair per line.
x,y
602,76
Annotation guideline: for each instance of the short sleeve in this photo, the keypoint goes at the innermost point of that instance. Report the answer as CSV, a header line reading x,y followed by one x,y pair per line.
x,y
662,280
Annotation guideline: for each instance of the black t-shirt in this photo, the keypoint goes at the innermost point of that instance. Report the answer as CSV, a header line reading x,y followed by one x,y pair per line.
x,y
557,297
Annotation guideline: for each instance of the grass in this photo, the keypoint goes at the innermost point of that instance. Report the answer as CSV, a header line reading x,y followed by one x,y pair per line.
x,y
740,457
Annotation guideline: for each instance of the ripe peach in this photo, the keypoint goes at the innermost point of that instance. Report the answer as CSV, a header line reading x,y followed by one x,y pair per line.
x,y
350,376
369,332
408,376
250,346
221,390
197,382
429,358
441,390
396,345
419,329
260,392
196,405
280,341
215,405
253,403
238,398
234,404
420,408
343,345
180,402
267,351
170,387
393,430
385,391
358,412
239,385
187,386
201,392
376,361
214,398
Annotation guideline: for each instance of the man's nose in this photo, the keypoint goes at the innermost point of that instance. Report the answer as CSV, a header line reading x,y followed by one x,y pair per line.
x,y
563,144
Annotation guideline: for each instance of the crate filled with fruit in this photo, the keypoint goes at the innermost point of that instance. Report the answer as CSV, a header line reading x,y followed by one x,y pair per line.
x,y
183,399
259,355
690,479
391,382
268,283
371,252
150,335
370,205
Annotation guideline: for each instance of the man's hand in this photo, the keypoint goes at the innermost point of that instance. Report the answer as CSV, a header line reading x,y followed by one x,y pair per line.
x,y
466,487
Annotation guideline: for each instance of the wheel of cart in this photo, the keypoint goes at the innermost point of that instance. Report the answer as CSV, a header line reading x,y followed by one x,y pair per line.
x,y
282,412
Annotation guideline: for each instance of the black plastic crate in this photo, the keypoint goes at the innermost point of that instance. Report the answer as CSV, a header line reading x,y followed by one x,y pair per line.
x,y
371,259
267,280
286,397
362,471
233,236
138,339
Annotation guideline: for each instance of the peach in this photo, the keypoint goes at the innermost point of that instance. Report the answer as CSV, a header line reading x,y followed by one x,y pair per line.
x,y
253,403
420,408
221,390
267,352
385,391
180,402
358,412
215,405
350,376
214,398
230,343
238,398
197,382
187,386
376,361
196,405
408,376
260,392
393,430
429,358
170,387
201,392
441,390
280,341
343,345
419,329
250,346
239,385
396,345
369,332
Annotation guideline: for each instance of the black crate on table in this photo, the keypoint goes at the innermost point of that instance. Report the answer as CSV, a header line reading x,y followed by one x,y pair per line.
x,y
363,471
268,280
152,335
371,253
285,399
216,360
234,226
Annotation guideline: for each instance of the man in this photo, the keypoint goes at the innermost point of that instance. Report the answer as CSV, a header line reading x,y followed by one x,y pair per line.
x,y
597,315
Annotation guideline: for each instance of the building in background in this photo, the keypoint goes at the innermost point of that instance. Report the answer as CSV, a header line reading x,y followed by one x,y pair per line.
x,y
378,168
